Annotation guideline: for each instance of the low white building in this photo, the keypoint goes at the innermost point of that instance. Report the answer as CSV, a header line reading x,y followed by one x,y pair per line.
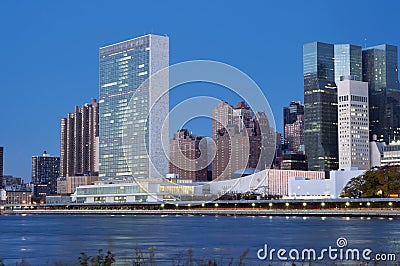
x,y
285,183
300,187
391,154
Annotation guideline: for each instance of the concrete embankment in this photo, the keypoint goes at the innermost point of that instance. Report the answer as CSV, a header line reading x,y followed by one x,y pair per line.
x,y
222,212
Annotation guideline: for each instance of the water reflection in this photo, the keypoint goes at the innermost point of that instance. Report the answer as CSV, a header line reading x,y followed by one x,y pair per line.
x,y
47,239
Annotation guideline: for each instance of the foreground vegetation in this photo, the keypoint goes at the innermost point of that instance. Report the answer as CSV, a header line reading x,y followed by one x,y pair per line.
x,y
147,258
382,182
141,258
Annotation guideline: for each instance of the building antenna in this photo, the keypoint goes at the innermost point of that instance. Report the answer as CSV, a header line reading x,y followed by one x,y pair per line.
x,y
365,42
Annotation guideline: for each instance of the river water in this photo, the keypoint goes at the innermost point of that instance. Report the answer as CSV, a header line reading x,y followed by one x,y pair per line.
x,y
46,239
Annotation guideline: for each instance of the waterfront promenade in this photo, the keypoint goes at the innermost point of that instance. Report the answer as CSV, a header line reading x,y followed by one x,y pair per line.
x,y
222,212
372,207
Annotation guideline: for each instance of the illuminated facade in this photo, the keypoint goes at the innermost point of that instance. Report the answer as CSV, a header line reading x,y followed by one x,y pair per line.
x,y
353,128
45,171
380,70
391,154
320,107
128,135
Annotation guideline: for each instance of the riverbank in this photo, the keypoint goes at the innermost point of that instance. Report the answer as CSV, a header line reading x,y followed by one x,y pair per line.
x,y
221,212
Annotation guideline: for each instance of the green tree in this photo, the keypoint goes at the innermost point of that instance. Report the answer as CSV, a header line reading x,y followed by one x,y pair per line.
x,y
375,183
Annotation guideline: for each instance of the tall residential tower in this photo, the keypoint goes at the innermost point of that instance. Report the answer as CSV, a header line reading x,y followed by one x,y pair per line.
x,y
79,137
186,158
240,137
293,126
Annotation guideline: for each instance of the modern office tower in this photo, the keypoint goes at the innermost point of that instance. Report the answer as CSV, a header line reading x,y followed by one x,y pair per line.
x,y
320,107
186,158
45,171
130,139
78,141
348,61
293,123
353,129
380,70
238,136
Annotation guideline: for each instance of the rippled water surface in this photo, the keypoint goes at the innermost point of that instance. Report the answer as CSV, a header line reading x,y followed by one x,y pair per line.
x,y
43,240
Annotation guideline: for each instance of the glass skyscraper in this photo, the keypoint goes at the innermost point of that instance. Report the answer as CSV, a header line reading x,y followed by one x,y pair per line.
x,y
380,70
126,130
320,107
348,61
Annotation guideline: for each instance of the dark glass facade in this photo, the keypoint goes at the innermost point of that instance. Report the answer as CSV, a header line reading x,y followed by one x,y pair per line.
x,y
320,107
348,61
380,70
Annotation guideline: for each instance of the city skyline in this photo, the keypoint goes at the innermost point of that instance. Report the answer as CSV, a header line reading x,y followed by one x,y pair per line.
x,y
26,136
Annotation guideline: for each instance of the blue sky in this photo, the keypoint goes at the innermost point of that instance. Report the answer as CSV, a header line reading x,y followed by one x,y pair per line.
x,y
49,53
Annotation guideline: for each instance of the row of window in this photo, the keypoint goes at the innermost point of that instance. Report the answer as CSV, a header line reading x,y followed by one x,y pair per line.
x,y
356,98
